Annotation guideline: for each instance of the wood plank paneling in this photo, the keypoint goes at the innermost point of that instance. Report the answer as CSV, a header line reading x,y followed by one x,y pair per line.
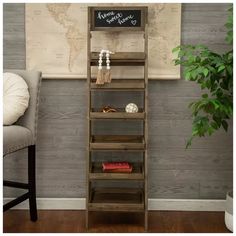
x,y
204,24
13,36
216,189
203,171
173,189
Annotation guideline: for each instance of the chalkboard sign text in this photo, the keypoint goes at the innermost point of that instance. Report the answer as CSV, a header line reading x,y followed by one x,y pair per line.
x,y
107,18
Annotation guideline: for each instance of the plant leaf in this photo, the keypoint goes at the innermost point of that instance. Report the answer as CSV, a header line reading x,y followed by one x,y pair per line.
x,y
205,72
176,49
205,95
214,125
187,75
189,143
222,67
225,125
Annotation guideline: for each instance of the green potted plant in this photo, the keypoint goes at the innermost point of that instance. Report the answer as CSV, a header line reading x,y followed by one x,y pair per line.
x,y
213,72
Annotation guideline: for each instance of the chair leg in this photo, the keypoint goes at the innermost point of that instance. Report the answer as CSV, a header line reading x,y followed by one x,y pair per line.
x,y
32,185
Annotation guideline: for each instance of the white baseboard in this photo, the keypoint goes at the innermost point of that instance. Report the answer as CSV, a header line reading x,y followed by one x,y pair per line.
x,y
186,204
53,204
153,204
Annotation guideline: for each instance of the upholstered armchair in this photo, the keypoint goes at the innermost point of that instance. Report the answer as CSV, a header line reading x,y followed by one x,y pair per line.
x,y
22,134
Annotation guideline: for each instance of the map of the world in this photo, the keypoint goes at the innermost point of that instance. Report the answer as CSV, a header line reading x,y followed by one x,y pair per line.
x,y
56,40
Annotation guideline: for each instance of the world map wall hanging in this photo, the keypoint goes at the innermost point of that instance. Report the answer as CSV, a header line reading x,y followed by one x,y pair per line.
x,y
56,40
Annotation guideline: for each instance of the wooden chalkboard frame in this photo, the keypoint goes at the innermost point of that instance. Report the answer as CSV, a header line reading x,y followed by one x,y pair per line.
x,y
141,28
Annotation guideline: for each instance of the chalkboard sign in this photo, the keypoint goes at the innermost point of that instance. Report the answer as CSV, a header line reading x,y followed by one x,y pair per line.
x,y
113,18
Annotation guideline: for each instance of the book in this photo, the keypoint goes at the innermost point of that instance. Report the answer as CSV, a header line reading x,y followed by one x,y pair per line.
x,y
116,167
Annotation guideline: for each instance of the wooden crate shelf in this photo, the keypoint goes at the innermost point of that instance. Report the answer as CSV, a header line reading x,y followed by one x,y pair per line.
x,y
121,59
97,173
129,199
120,84
120,114
107,199
117,142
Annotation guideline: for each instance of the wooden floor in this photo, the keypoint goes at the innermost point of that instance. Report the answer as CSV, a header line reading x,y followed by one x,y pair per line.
x,y
54,221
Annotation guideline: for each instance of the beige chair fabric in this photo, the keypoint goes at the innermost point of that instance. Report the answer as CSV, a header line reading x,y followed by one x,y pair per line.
x,y
26,126
16,137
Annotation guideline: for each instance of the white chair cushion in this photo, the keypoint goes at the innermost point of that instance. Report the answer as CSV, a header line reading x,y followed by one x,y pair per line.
x,y
15,97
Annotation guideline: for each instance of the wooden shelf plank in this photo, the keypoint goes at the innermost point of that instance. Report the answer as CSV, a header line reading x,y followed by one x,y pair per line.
x,y
117,142
124,84
122,151
121,56
116,207
120,114
121,59
122,63
116,199
97,173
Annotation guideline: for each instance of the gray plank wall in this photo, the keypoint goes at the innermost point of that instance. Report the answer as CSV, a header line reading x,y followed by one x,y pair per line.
x,y
202,172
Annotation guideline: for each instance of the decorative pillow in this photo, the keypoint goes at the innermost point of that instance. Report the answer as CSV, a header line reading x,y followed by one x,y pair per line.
x,y
15,97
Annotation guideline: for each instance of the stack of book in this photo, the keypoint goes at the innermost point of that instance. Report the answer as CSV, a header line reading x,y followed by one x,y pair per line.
x,y
117,167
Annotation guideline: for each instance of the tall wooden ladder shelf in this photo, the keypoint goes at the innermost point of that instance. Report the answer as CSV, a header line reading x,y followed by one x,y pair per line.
x,y
125,199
